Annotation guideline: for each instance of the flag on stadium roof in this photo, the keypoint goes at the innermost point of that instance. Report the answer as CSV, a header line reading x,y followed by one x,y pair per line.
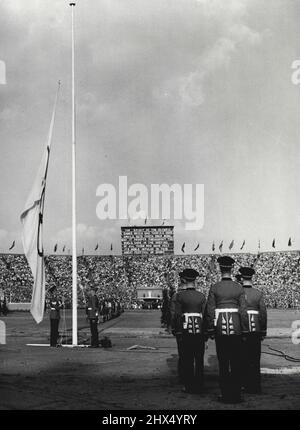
x,y
243,244
183,246
221,246
145,220
12,245
111,247
197,247
290,242
231,244
55,247
64,248
273,243
97,246
213,247
32,234
82,251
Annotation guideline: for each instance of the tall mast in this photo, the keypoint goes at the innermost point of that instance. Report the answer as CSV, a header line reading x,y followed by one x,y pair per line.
x,y
74,247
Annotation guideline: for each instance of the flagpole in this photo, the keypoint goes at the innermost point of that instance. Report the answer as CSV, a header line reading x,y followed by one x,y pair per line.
x,y
74,246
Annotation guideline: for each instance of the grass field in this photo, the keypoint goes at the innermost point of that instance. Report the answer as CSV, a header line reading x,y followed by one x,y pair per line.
x,y
118,378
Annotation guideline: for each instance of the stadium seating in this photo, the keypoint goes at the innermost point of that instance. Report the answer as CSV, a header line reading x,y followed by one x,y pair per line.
x,y
117,277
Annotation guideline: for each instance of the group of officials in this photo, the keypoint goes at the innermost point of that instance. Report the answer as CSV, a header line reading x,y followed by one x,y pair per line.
x,y
234,314
92,312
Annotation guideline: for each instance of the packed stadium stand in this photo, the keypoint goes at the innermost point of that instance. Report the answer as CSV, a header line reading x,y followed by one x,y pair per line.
x,y
118,277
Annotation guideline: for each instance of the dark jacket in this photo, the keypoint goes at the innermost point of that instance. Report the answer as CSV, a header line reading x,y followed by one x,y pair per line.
x,y
257,323
186,301
226,294
55,304
92,308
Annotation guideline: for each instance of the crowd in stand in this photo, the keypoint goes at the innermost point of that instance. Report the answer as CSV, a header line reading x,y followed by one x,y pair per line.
x,y
117,278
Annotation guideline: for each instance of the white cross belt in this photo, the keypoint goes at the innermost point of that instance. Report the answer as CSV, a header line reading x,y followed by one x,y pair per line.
x,y
224,310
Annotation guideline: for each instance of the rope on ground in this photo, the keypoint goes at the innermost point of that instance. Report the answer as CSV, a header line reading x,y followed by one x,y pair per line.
x,y
281,354
140,347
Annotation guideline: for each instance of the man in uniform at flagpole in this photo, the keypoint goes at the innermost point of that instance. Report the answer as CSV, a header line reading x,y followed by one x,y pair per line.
x,y
186,322
257,325
55,306
92,311
177,329
226,320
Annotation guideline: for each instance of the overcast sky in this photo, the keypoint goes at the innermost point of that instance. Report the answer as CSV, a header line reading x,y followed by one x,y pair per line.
x,y
168,91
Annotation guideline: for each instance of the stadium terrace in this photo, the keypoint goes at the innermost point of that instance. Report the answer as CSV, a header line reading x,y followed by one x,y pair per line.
x,y
277,275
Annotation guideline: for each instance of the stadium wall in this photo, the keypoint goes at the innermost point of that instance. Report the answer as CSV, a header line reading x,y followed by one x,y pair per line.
x,y
18,306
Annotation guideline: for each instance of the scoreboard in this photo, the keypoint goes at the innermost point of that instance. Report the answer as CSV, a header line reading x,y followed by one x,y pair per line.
x,y
151,240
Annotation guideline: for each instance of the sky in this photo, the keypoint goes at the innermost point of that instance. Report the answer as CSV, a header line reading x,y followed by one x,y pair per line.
x,y
167,92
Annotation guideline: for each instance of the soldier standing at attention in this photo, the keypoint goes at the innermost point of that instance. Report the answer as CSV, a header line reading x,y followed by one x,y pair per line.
x,y
186,322
177,329
257,324
55,306
226,320
92,314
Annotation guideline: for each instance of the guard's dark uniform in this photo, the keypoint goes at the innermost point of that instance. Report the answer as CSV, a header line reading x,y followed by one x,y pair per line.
x,y
226,319
55,306
257,325
187,324
92,314
177,332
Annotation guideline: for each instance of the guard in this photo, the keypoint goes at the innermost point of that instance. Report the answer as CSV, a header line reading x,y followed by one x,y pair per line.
x,y
187,325
257,325
92,311
226,320
55,306
177,331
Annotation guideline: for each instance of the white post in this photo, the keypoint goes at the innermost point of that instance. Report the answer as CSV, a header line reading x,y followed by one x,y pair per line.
x,y
74,246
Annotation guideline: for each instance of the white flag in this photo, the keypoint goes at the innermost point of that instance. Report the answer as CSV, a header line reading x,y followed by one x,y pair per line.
x,y
32,235
2,73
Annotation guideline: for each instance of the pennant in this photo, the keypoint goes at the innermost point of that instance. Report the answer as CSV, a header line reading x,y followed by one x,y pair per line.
x,y
221,246
55,248
111,247
64,248
213,247
183,246
231,244
32,234
12,245
290,242
273,243
243,244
